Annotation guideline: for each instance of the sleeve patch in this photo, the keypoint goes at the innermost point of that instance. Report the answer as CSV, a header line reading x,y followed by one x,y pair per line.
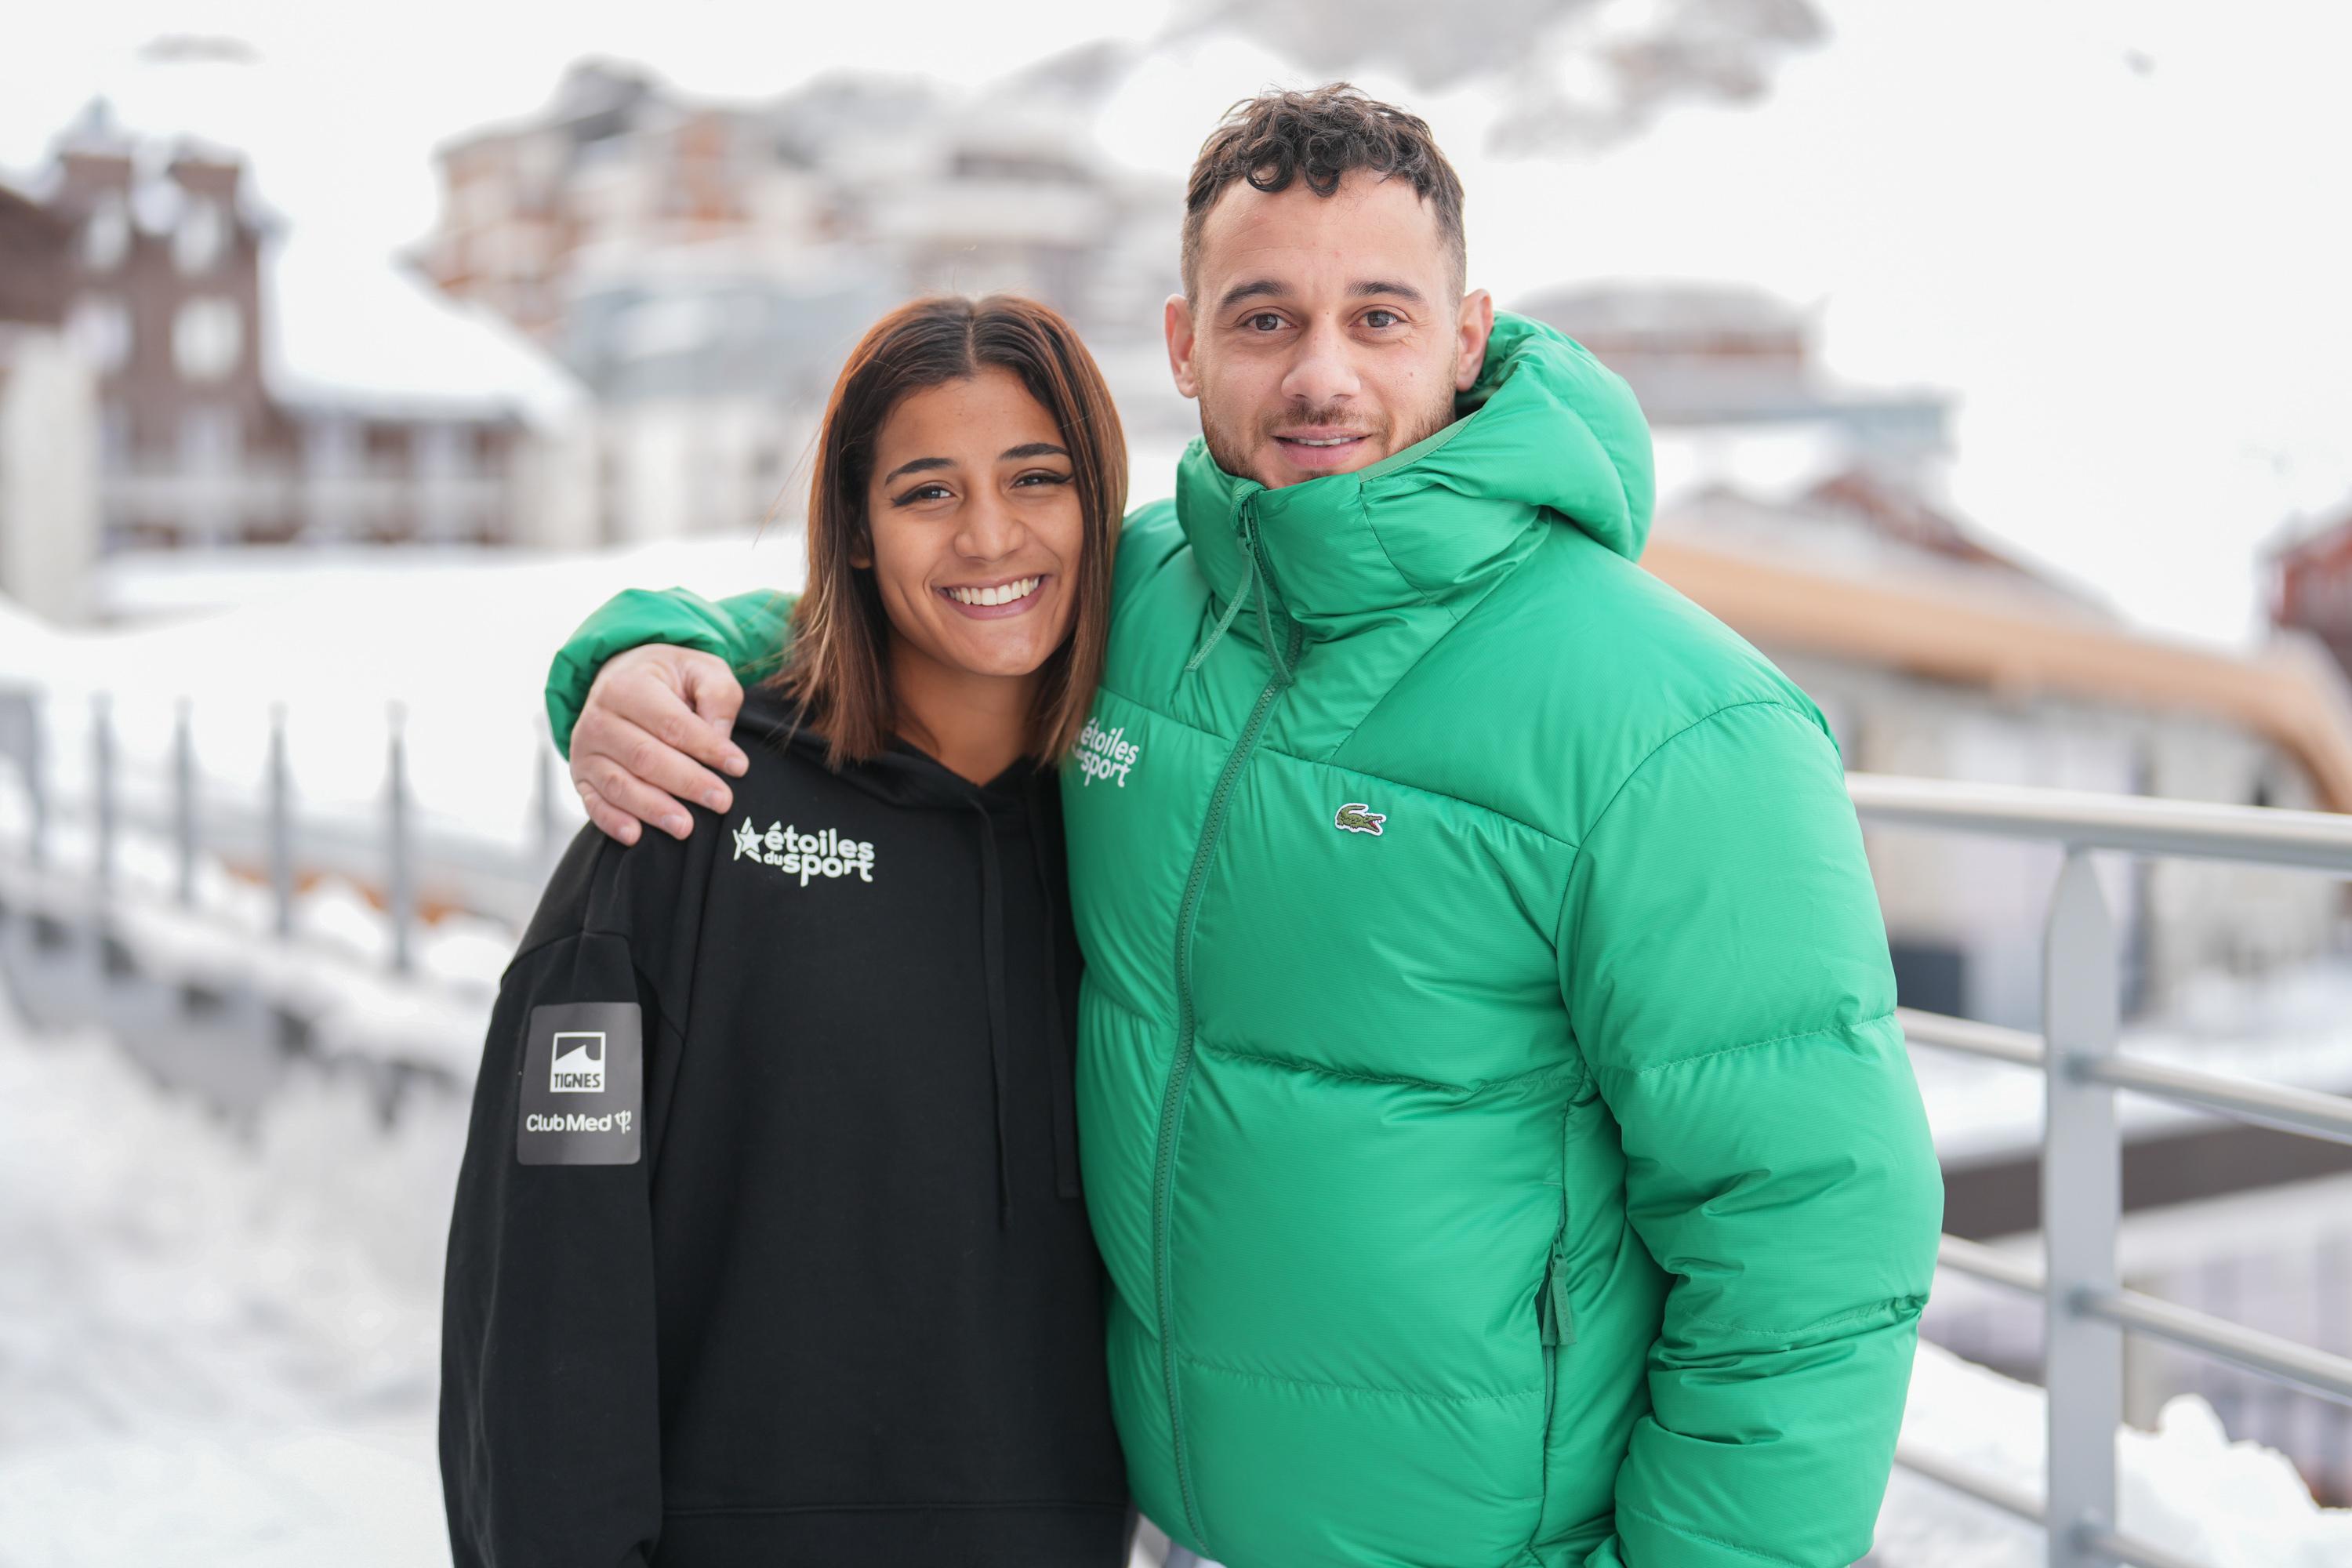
x,y
582,1085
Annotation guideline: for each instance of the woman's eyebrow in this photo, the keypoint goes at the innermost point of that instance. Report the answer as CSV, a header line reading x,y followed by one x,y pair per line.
x,y
917,465
1032,449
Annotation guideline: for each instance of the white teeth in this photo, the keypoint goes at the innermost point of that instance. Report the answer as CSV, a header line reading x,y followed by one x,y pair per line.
x,y
1004,593
1333,441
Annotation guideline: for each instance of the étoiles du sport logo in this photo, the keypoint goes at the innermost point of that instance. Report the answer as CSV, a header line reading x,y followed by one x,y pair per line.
x,y
808,856
1106,754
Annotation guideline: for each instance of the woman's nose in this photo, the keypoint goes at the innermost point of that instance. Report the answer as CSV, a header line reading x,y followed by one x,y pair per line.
x,y
990,530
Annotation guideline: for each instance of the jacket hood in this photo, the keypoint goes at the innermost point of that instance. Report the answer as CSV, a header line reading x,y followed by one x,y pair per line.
x,y
1547,435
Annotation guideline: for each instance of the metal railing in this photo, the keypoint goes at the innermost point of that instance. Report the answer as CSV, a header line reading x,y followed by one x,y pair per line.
x,y
386,851
2087,1310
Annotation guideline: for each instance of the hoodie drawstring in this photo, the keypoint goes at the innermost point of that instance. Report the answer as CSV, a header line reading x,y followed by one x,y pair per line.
x,y
1233,609
1253,585
992,944
1065,1118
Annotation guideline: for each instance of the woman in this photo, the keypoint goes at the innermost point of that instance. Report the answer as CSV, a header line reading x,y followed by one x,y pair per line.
x,y
767,1244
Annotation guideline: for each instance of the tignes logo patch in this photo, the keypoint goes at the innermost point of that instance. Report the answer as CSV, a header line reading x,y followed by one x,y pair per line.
x,y
582,1085
579,1066
808,856
1357,817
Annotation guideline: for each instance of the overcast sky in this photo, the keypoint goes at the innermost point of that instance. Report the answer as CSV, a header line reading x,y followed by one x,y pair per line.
x,y
2113,228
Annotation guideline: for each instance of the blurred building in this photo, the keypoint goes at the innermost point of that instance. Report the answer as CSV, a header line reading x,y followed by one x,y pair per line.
x,y
1807,516
203,438
705,268
2309,581
48,420
1735,392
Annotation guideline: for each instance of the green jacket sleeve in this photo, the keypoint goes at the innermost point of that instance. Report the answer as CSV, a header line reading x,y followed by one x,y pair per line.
x,y
1725,968
749,631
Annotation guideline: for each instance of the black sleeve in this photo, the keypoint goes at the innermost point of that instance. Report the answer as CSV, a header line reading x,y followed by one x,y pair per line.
x,y
550,1398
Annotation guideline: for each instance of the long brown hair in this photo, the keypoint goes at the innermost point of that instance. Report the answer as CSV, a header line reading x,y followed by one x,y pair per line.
x,y
838,665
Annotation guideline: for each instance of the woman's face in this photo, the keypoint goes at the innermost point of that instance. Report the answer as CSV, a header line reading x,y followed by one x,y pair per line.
x,y
975,526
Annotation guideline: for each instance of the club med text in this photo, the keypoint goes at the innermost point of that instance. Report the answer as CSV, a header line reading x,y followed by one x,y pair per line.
x,y
576,1122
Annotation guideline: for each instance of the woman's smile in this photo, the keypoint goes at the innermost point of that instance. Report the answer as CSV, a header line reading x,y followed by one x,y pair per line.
x,y
998,600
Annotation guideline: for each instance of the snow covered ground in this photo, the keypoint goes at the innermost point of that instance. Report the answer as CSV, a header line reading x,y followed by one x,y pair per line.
x,y
222,1348
213,1351
2185,1487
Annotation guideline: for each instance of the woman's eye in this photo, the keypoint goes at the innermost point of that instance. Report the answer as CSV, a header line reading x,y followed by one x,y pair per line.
x,y
1041,478
924,492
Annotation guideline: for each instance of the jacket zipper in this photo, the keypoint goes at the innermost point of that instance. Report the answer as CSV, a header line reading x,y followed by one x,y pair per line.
x,y
1179,1070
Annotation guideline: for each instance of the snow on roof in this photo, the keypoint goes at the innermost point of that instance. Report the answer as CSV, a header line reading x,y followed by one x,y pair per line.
x,y
359,328
157,198
347,325
2307,532
1665,307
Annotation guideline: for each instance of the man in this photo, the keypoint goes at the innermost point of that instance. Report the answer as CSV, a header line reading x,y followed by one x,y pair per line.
x,y
1493,1115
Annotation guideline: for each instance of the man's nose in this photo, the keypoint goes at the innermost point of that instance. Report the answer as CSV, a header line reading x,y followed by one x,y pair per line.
x,y
1322,368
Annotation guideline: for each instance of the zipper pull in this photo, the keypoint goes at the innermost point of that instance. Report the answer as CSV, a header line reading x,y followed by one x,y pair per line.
x,y
1554,1315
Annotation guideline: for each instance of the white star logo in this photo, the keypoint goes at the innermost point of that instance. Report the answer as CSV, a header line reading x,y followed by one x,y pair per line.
x,y
747,840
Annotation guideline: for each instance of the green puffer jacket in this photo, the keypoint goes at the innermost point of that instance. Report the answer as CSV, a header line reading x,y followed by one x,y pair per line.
x,y
1493,1111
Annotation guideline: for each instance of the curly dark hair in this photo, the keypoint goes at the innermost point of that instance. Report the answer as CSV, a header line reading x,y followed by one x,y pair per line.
x,y
1319,135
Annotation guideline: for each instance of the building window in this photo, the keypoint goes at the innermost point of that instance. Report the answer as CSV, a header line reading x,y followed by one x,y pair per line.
x,y
99,327
211,441
206,337
201,237
107,238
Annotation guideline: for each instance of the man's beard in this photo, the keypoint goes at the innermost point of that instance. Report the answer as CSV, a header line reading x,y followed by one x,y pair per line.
x,y
1232,456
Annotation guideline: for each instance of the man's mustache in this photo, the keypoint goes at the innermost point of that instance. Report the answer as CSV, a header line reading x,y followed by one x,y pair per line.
x,y
1326,422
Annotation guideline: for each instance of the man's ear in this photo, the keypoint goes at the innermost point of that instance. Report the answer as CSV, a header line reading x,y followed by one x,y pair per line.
x,y
1177,319
1477,325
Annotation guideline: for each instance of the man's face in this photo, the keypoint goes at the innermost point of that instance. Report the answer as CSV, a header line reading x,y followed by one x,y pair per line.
x,y
1323,333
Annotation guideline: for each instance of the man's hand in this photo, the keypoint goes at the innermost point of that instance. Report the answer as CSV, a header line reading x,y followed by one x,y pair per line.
x,y
652,716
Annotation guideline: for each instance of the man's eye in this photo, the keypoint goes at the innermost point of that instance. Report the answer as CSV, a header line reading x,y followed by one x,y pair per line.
x,y
1264,322
1378,320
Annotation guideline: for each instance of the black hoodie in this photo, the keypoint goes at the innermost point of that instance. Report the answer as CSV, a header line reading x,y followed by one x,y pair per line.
x,y
767,1246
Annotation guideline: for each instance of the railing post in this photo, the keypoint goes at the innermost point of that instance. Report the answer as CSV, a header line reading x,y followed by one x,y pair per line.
x,y
2081,1200
542,796
281,824
101,775
400,878
183,801
36,780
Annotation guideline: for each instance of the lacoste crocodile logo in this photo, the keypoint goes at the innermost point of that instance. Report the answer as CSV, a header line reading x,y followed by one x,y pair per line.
x,y
1357,817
